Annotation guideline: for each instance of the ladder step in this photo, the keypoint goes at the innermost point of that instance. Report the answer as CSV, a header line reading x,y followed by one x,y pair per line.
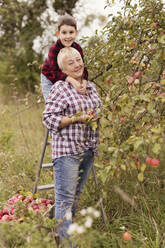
x,y
45,187
47,165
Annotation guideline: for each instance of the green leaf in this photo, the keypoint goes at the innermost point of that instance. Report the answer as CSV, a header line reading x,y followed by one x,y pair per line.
x,y
161,39
139,142
143,167
123,167
141,111
145,97
99,165
162,81
140,177
156,130
93,125
104,122
103,176
110,116
111,149
156,149
150,108
133,165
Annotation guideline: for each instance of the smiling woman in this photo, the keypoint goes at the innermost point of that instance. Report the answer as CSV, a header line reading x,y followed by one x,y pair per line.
x,y
74,142
73,65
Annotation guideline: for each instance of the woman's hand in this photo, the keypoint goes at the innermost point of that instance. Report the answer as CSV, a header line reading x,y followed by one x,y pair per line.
x,y
83,118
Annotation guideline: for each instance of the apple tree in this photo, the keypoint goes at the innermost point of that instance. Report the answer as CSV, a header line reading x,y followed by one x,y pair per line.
x,y
131,46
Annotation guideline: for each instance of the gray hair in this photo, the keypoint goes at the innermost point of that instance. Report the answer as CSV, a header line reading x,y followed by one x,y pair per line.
x,y
65,52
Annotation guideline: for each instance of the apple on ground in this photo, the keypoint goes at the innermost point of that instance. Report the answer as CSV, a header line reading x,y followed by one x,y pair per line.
x,y
5,218
127,236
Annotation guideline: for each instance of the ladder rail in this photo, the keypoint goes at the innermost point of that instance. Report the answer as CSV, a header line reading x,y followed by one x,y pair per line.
x,y
41,160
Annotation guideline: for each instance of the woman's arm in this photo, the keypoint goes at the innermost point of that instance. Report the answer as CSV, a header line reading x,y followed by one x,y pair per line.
x,y
66,121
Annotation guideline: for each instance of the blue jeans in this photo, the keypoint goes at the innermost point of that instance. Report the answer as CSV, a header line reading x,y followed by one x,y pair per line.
x,y
46,85
71,173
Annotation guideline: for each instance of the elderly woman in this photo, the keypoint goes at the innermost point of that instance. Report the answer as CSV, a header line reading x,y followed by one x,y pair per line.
x,y
74,142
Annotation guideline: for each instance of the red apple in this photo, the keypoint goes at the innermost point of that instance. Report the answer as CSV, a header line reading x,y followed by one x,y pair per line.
x,y
137,162
127,236
48,202
155,162
43,200
13,217
155,24
35,207
150,11
148,160
132,44
14,199
29,198
130,80
6,210
137,74
117,175
134,156
109,80
154,85
1,214
122,119
5,217
21,197
11,202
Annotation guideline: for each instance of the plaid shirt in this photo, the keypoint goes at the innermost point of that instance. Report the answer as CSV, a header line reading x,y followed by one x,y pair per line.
x,y
50,67
75,138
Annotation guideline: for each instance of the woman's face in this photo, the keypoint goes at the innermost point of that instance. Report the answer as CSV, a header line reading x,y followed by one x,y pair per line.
x,y
73,66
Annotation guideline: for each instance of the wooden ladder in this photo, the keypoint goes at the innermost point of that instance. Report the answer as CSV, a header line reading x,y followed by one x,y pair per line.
x,y
51,186
41,165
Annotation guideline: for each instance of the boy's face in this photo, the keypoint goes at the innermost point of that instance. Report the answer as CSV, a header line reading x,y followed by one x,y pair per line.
x,y
67,34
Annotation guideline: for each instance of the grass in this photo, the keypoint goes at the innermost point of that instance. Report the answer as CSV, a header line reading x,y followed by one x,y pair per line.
x,y
21,139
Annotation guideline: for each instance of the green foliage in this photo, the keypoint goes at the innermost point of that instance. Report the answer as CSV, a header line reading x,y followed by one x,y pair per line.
x,y
20,25
33,231
133,88
62,7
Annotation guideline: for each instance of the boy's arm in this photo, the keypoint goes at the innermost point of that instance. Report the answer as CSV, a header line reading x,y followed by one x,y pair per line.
x,y
50,67
81,88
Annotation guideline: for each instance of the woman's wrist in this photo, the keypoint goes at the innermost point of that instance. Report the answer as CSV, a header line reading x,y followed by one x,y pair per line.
x,y
74,119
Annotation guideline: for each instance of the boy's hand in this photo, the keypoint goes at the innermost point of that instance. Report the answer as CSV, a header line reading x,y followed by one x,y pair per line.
x,y
81,88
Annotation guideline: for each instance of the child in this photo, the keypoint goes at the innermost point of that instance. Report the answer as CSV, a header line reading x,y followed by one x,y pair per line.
x,y
50,73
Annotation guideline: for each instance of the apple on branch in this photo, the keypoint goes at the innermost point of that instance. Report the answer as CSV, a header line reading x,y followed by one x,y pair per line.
x,y
137,74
